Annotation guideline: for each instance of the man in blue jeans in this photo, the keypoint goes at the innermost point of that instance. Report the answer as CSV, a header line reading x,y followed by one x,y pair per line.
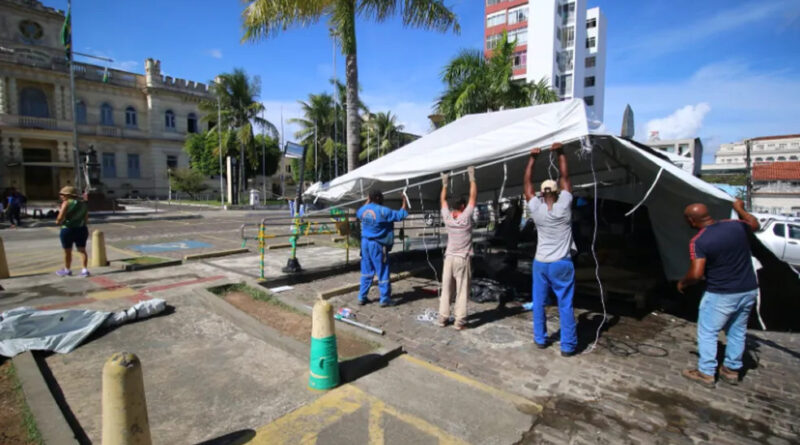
x,y
552,265
721,252
377,238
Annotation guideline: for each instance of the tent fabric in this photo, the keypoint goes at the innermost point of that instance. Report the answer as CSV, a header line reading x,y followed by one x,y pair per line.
x,y
497,144
27,329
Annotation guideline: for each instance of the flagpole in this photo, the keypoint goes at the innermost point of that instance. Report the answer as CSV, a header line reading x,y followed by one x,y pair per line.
x,y
75,152
219,134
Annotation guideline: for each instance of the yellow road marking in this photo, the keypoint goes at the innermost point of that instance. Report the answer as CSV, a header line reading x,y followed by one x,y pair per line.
x,y
30,271
521,402
123,251
112,294
304,424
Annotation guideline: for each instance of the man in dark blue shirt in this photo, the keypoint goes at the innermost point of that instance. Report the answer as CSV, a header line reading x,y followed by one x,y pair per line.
x,y
377,238
720,252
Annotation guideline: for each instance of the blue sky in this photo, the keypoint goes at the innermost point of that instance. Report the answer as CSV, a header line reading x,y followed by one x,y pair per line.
x,y
723,70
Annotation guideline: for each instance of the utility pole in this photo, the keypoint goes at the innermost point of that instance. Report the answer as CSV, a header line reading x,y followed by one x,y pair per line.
x,y
748,175
335,113
219,134
76,156
316,168
283,159
263,161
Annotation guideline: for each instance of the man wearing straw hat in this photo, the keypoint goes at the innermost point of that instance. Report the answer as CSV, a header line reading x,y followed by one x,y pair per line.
x,y
552,265
72,217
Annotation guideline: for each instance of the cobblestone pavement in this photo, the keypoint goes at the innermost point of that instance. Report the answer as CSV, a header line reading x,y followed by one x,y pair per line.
x,y
627,389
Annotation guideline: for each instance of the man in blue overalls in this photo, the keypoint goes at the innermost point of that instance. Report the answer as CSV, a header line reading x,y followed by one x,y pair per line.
x,y
377,238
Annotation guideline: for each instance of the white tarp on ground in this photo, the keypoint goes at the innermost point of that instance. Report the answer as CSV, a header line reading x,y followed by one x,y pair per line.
x,y
26,329
497,144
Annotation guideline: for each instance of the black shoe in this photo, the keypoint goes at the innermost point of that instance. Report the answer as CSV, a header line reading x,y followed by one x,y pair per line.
x,y
387,303
567,354
542,345
362,302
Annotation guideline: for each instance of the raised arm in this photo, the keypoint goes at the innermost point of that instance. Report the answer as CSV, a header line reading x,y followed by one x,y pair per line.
x,y
530,190
751,220
564,182
473,187
443,195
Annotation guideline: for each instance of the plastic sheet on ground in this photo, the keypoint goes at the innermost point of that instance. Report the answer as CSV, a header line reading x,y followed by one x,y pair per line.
x,y
27,329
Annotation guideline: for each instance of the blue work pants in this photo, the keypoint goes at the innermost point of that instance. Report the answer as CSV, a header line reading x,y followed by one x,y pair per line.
x,y
374,261
559,276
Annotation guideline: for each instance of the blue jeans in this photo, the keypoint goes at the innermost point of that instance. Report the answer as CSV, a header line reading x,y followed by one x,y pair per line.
x,y
559,276
728,312
374,261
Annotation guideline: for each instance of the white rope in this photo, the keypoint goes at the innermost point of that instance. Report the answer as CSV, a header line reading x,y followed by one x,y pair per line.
x,y
646,195
425,243
756,266
405,195
552,165
594,255
503,186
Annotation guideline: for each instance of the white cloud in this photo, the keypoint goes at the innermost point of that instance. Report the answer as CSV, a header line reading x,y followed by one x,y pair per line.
x,y
746,102
215,53
675,38
683,123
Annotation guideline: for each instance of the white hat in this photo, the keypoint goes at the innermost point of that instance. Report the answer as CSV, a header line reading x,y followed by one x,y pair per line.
x,y
549,184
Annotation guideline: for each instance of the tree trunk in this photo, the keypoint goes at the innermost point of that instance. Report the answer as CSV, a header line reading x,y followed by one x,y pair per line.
x,y
353,119
242,173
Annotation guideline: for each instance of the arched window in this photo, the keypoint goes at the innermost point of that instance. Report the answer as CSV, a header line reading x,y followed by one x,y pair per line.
x,y
191,123
130,117
106,114
781,158
770,158
80,112
792,158
169,120
33,102
759,159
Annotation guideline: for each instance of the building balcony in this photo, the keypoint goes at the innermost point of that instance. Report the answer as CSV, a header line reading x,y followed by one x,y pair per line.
x,y
31,122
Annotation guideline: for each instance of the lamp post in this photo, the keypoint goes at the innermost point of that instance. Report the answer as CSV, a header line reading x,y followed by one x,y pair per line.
x,y
169,186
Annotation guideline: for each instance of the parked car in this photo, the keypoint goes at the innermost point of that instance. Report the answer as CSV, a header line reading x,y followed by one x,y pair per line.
x,y
782,237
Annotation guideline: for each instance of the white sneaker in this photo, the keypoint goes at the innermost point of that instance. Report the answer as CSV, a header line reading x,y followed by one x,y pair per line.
x,y
85,272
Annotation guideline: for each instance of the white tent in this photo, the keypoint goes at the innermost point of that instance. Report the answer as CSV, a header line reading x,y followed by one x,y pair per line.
x,y
497,144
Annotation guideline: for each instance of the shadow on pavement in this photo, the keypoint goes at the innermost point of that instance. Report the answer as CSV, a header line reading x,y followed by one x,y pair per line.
x,y
235,438
355,368
58,396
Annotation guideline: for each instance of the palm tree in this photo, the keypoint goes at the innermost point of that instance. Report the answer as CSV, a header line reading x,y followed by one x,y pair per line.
x,y
238,94
264,18
317,121
384,135
476,85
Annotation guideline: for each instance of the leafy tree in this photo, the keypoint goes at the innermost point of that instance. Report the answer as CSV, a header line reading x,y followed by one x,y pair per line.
x,y
188,181
476,85
381,134
203,151
237,96
264,18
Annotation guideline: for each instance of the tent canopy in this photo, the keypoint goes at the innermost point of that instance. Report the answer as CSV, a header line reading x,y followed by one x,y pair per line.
x,y
497,144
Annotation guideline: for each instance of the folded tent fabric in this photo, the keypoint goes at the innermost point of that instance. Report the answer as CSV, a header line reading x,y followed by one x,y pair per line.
x,y
497,143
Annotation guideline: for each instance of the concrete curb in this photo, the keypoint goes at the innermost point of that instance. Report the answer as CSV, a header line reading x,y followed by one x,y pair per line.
x,y
123,220
122,265
346,289
50,419
215,254
286,245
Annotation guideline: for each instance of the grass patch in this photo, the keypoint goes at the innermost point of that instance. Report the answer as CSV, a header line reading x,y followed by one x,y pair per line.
x,y
28,421
255,294
145,260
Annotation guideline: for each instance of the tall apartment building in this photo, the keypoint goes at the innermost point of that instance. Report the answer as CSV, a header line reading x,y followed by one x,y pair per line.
x,y
559,40
136,123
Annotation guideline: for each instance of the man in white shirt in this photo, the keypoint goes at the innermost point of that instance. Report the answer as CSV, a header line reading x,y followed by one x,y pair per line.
x,y
552,265
457,270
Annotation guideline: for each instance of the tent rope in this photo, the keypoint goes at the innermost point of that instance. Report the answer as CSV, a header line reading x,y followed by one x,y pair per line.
x,y
646,195
502,186
594,255
425,243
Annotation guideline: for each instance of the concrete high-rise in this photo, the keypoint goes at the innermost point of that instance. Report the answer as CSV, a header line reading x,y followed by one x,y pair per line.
x,y
558,40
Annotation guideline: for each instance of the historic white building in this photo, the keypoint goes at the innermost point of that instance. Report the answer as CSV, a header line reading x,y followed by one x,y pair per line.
x,y
776,188
762,149
136,123
685,153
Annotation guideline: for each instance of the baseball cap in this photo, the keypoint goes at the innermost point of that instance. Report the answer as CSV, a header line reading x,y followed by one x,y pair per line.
x,y
549,184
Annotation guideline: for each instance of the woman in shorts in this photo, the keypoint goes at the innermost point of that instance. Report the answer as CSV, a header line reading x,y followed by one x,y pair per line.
x,y
72,217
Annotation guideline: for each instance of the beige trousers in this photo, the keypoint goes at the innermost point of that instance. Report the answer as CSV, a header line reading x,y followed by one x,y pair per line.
x,y
456,279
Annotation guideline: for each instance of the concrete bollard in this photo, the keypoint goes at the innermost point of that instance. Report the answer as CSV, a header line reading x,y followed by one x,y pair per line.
x,y
3,264
124,407
323,370
99,258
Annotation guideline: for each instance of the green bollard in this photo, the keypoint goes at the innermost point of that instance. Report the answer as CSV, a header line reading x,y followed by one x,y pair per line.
x,y
323,373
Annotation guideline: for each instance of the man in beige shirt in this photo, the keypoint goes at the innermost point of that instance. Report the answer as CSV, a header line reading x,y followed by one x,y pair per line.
x,y
457,269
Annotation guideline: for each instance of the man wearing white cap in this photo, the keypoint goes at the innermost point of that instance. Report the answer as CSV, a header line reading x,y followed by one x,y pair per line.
x,y
552,265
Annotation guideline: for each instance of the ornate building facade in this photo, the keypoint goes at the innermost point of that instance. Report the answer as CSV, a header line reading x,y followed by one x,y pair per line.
x,y
136,123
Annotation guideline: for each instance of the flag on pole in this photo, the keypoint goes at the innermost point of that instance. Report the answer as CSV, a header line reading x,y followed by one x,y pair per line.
x,y
66,34
105,75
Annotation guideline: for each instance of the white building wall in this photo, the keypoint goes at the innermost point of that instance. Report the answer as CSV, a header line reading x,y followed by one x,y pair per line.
x,y
596,111
542,18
